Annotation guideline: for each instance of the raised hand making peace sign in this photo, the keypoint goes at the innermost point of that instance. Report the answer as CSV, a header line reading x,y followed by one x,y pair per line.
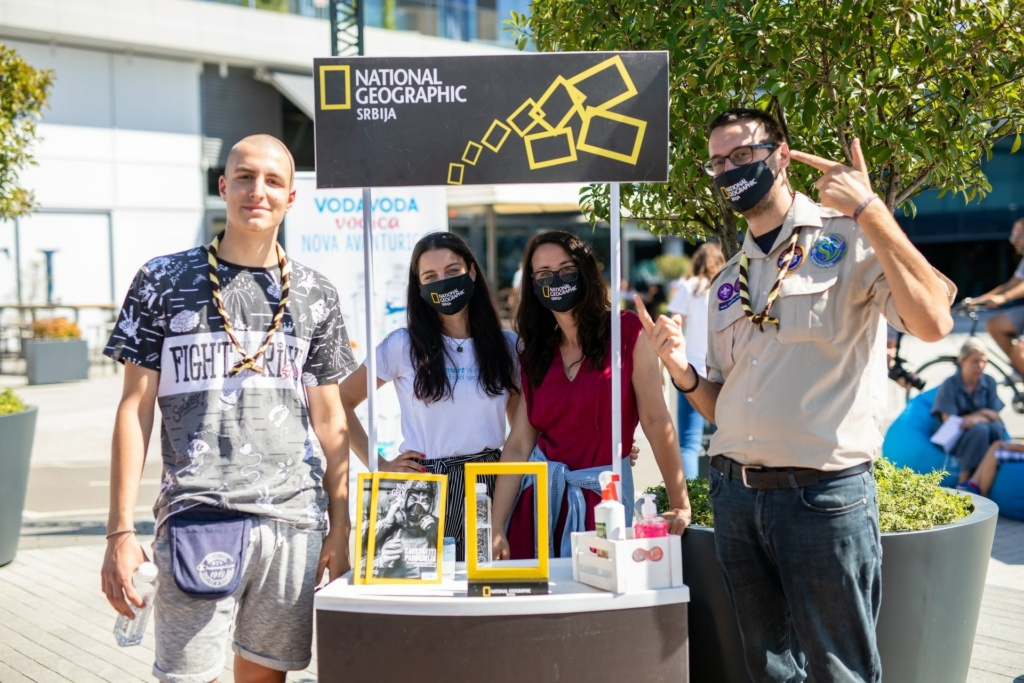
x,y
841,187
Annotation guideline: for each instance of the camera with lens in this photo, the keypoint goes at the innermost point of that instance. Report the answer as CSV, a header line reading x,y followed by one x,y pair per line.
x,y
904,377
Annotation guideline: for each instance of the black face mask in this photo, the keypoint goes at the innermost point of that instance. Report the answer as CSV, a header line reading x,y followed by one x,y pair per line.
x,y
448,296
743,187
559,296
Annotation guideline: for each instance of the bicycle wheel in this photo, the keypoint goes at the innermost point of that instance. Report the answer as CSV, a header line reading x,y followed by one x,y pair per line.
x,y
933,373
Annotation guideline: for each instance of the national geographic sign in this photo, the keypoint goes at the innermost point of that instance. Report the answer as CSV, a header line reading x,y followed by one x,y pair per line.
x,y
540,118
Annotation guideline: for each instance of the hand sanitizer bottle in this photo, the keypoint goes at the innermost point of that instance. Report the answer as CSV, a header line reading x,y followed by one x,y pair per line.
x,y
130,631
651,526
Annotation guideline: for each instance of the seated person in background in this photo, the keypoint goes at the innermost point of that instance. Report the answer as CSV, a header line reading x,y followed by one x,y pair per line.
x,y
1006,328
985,475
971,395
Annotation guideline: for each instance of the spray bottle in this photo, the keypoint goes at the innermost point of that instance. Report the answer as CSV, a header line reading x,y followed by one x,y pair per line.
x,y
609,515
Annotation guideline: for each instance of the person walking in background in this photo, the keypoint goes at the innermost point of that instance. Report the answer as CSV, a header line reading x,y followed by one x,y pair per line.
x,y
689,308
255,449
455,371
564,328
796,370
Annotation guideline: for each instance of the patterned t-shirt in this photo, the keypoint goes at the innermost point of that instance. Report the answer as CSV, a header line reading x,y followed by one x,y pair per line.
x,y
242,442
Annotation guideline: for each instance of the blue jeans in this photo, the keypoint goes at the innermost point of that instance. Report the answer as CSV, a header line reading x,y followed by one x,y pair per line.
x,y
804,569
691,432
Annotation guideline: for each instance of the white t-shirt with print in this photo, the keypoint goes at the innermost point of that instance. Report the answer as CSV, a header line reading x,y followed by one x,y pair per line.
x,y
469,421
693,305
1019,273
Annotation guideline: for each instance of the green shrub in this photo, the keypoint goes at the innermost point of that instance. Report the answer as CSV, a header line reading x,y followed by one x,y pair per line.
x,y
10,403
907,501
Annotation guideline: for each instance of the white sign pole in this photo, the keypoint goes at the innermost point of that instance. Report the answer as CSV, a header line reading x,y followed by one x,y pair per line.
x,y
616,275
371,332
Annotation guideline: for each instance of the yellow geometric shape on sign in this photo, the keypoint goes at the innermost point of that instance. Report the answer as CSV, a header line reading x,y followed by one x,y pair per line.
x,y
472,153
638,126
347,103
579,81
455,173
565,157
495,126
540,496
520,129
559,104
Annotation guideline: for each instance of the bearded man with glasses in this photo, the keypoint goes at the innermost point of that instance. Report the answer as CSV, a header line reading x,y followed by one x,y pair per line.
x,y
795,374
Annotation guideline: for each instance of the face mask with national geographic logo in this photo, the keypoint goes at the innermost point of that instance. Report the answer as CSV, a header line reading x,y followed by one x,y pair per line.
x,y
743,187
559,296
448,296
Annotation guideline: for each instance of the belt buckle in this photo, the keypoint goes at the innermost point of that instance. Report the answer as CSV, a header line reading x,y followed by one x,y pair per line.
x,y
743,473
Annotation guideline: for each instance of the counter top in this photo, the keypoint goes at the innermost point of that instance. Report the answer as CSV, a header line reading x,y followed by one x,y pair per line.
x,y
449,597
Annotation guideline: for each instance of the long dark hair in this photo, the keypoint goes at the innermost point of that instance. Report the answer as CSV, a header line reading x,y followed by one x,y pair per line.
x,y
427,350
539,334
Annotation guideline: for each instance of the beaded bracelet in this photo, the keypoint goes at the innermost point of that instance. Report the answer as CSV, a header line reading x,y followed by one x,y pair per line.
x,y
864,205
695,384
119,532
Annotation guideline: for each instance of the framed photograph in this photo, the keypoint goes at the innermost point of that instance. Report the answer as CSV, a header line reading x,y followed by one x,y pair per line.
x,y
400,520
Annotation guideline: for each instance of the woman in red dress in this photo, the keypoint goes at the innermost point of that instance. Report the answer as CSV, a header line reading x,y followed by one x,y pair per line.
x,y
565,352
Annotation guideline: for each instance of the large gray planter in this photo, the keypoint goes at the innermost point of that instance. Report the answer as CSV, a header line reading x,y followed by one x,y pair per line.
x,y
17,431
932,583
48,361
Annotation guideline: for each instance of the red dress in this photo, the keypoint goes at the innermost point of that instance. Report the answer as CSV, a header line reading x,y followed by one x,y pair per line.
x,y
573,421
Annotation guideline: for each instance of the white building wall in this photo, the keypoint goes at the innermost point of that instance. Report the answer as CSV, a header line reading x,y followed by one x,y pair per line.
x,y
118,178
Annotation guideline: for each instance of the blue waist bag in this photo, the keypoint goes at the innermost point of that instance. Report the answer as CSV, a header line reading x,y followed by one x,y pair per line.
x,y
208,547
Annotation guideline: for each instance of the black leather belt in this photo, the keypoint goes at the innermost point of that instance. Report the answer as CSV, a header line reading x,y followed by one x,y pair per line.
x,y
759,477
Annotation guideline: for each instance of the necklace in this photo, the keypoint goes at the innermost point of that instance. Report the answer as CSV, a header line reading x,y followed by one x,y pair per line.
x,y
458,344
249,362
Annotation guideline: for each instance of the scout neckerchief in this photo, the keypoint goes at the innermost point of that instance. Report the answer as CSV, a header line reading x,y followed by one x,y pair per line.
x,y
761,318
249,362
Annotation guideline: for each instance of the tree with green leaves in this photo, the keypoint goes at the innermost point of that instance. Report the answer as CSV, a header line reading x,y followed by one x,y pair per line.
x,y
929,86
23,93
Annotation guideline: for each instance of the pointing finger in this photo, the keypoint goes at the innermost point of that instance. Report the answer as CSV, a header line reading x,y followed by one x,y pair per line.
x,y
645,317
817,162
857,156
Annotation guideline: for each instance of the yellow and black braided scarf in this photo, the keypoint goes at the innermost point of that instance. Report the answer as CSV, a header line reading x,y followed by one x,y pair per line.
x,y
249,362
761,318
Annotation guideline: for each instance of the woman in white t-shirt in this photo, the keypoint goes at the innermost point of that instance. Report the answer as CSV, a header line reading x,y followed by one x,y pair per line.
x,y
689,306
455,372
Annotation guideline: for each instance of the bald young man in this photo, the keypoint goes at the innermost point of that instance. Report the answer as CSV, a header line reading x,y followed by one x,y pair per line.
x,y
242,349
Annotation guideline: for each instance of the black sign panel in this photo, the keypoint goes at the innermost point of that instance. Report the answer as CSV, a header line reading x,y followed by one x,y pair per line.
x,y
526,118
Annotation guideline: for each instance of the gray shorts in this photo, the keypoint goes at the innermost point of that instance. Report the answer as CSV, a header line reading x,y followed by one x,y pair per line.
x,y
1016,316
274,616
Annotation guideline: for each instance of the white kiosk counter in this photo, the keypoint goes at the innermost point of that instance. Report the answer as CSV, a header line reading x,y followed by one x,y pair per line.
x,y
436,633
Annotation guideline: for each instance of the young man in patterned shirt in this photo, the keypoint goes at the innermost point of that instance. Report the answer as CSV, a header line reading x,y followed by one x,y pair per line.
x,y
242,349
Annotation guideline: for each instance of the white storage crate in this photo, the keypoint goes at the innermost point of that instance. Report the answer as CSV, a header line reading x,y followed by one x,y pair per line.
x,y
633,564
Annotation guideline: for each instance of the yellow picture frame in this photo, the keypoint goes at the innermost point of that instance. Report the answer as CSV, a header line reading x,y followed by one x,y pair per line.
x,y
367,531
539,470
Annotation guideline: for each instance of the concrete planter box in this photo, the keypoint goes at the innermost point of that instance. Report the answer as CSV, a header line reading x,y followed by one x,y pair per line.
x,y
932,583
17,432
48,361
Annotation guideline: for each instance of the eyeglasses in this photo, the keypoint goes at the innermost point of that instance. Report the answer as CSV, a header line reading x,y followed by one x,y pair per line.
x,y
741,156
545,278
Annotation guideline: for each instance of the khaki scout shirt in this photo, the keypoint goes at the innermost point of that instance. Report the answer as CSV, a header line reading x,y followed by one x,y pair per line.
x,y
812,391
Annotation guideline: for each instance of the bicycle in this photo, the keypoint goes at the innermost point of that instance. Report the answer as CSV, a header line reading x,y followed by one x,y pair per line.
x,y
998,366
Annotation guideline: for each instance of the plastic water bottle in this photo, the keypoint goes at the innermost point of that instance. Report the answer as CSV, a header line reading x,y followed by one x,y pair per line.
x,y
483,525
130,631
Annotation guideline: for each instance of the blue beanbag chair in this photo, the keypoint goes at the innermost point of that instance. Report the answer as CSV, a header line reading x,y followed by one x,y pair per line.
x,y
1008,490
907,444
